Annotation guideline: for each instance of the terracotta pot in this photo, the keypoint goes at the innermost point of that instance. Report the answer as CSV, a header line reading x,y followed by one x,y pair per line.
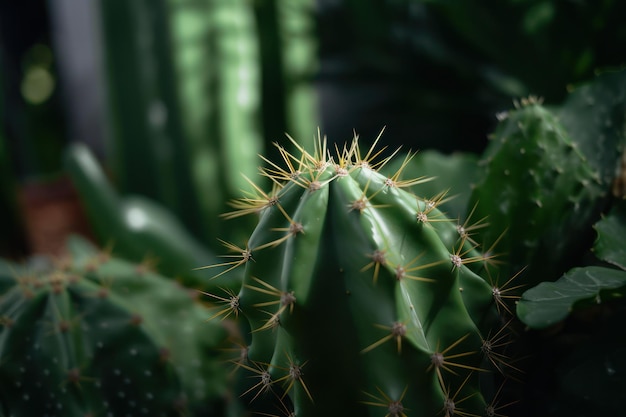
x,y
51,211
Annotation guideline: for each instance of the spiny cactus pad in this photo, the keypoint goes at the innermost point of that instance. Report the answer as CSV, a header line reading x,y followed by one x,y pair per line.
x,y
100,336
541,189
359,297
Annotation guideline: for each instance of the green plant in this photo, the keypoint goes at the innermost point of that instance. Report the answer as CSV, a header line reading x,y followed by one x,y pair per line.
x,y
135,227
574,321
175,107
358,297
97,335
548,174
198,95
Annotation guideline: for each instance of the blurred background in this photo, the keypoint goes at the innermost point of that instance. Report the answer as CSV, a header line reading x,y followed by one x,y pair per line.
x,y
168,101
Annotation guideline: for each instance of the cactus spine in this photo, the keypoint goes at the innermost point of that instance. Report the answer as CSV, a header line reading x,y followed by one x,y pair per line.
x,y
359,297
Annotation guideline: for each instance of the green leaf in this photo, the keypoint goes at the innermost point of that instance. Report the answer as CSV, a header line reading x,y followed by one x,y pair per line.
x,y
611,230
550,302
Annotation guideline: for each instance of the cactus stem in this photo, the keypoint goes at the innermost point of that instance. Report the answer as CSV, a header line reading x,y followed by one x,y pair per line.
x,y
394,407
396,331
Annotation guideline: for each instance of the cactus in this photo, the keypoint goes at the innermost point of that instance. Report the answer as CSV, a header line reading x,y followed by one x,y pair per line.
x,y
136,226
539,188
547,177
100,336
360,298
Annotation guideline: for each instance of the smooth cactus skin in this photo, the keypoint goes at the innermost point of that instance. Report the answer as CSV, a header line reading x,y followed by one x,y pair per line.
x,y
99,336
540,189
357,297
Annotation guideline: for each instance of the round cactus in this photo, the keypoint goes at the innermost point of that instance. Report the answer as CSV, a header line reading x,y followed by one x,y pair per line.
x,y
99,336
359,297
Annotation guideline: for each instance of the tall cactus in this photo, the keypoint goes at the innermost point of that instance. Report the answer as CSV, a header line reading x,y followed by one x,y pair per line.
x,y
360,298
99,336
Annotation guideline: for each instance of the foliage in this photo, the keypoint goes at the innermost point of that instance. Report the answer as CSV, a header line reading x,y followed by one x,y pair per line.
x,y
585,305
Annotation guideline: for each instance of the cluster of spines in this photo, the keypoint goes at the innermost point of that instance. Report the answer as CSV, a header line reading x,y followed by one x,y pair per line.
x,y
310,172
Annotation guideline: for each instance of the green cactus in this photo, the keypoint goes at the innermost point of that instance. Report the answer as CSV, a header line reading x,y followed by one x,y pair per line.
x,y
539,188
100,336
548,173
358,297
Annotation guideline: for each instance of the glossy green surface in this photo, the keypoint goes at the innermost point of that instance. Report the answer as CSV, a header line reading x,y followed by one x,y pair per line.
x,y
350,290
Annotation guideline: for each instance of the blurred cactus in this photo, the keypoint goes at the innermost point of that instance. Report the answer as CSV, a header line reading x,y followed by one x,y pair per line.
x,y
196,90
135,227
98,335
151,152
